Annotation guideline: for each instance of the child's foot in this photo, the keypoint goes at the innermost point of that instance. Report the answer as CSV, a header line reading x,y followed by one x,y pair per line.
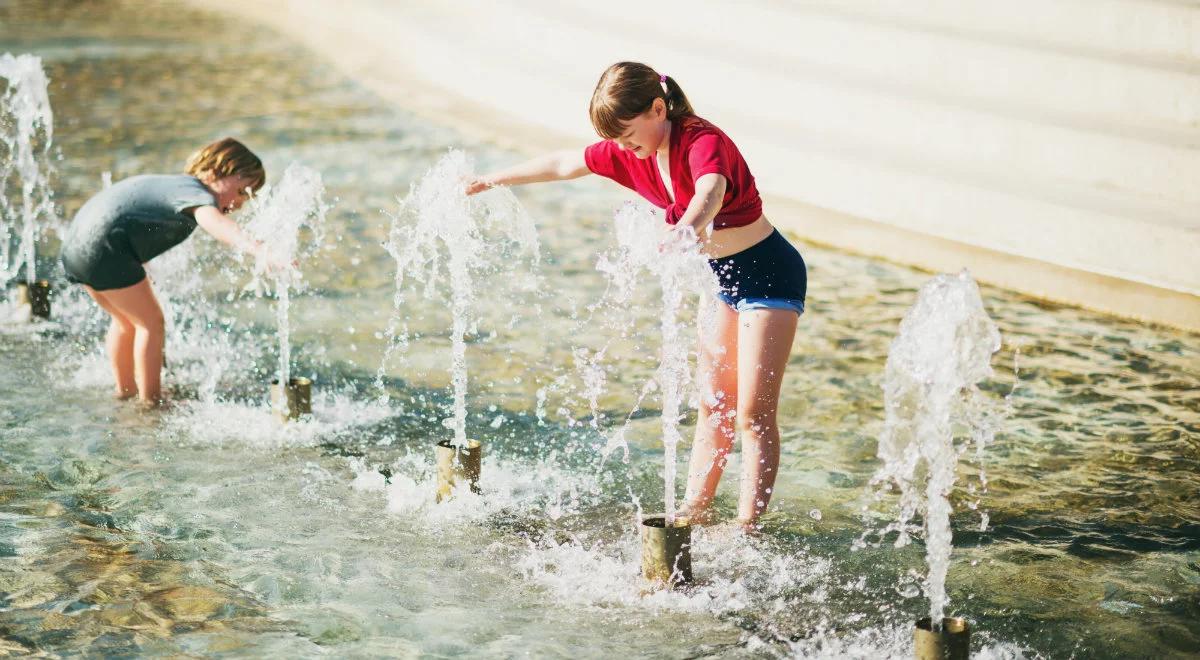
x,y
750,527
124,395
153,404
697,515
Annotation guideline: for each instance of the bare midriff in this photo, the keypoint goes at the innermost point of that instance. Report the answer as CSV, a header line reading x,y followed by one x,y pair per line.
x,y
731,240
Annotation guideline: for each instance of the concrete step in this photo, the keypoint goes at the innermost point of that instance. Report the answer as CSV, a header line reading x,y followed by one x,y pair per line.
x,y
1155,165
977,209
830,44
944,166
1155,33
1102,198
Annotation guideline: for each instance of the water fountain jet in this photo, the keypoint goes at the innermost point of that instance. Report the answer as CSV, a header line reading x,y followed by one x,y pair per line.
x,y
949,641
278,215
458,465
26,134
666,550
293,400
442,234
941,354
681,270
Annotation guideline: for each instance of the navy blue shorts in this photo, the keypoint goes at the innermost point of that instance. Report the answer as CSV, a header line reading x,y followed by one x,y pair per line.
x,y
767,275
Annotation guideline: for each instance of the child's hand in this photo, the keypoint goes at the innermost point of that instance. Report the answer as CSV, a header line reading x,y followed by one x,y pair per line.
x,y
271,262
276,264
677,240
477,185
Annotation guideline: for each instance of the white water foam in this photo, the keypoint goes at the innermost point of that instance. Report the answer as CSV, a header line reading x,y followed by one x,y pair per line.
x,y
221,423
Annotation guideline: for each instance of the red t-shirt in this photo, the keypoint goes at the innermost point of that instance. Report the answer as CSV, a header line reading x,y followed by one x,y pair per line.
x,y
696,148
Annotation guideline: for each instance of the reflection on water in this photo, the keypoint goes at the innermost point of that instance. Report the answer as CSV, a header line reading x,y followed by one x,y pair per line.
x,y
207,529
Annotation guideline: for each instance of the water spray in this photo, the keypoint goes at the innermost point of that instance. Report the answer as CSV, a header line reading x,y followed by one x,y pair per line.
x,y
279,215
26,134
931,394
682,271
441,236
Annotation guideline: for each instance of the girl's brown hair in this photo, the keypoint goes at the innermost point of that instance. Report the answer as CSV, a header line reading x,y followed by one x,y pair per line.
x,y
228,157
626,90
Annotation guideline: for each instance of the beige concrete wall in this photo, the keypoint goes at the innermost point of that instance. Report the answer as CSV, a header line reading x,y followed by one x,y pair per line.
x,y
1052,146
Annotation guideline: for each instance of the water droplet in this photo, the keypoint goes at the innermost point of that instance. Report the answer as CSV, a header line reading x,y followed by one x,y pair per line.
x,y
815,514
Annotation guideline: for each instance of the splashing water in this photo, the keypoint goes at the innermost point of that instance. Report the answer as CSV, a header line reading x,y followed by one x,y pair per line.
x,y
681,271
203,352
26,133
931,395
278,216
441,236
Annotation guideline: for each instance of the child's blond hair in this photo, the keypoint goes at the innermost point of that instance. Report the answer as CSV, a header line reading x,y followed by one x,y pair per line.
x,y
227,157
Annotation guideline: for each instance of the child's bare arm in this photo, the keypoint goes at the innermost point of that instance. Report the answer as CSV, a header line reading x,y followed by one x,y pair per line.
x,y
221,227
706,203
557,166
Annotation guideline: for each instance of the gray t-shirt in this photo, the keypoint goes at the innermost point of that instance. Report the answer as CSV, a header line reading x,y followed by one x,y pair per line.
x,y
148,209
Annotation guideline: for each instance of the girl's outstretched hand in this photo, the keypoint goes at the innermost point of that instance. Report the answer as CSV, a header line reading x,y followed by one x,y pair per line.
x,y
477,185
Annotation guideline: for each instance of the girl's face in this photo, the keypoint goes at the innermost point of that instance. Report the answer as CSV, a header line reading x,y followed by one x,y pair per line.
x,y
231,192
645,133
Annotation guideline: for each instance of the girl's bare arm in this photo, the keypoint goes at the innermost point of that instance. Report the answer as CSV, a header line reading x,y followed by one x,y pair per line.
x,y
221,227
557,166
706,203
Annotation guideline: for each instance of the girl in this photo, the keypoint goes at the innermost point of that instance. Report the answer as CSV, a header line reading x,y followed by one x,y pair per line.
x,y
656,145
139,218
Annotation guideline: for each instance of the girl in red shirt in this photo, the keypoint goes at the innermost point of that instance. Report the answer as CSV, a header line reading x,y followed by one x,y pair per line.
x,y
656,145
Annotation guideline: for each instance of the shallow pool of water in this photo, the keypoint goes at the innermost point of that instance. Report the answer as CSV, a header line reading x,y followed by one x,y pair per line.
x,y
208,528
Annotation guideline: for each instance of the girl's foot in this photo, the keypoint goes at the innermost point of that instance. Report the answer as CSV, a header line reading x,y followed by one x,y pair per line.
x,y
750,527
697,515
153,404
124,395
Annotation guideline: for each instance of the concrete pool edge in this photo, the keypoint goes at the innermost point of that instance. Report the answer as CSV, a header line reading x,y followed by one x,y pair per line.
x,y
367,51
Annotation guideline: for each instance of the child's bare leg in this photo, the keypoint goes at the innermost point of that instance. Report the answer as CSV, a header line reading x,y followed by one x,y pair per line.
x,y
138,304
120,353
764,343
714,422
119,342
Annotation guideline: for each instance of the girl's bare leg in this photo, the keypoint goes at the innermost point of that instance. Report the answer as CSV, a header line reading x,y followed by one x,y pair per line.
x,y
764,343
138,304
119,342
715,418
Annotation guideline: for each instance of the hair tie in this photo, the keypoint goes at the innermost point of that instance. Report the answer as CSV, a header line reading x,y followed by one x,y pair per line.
x,y
662,80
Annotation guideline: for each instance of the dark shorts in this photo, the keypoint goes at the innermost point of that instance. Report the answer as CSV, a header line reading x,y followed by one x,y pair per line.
x,y
768,275
106,263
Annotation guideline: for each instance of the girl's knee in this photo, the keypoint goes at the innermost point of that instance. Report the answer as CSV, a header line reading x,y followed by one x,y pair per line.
x,y
152,322
120,326
718,413
756,419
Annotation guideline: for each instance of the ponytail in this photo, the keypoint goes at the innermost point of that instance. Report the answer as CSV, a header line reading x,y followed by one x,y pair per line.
x,y
678,105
